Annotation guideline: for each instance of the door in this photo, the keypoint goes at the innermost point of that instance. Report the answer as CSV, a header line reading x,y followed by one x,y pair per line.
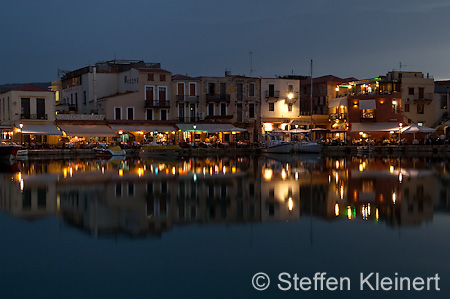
x,y
192,112
40,108
271,90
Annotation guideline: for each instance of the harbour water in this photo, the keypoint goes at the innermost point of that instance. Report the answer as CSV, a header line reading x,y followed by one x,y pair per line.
x,y
203,227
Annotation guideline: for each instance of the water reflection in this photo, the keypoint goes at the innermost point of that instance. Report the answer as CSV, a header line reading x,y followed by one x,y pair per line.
x,y
149,197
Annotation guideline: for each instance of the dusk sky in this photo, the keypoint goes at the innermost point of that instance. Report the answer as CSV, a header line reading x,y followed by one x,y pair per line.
x,y
346,38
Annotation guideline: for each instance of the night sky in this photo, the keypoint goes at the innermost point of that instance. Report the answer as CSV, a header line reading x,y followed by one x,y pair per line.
x,y
345,38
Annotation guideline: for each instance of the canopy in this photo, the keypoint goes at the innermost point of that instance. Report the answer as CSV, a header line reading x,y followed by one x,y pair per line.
x,y
417,129
143,128
87,130
210,128
338,102
39,129
298,131
367,104
374,127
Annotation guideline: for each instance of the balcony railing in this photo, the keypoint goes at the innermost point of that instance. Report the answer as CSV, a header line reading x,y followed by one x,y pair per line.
x,y
272,94
34,116
187,98
218,98
157,104
189,119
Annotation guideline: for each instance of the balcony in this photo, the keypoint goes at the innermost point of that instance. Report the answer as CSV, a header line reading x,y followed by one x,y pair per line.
x,y
157,104
34,116
218,117
189,119
217,98
272,94
187,98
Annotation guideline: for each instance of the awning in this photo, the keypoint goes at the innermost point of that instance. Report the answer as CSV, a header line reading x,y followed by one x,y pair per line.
x,y
210,128
367,104
336,103
143,128
88,130
38,129
374,127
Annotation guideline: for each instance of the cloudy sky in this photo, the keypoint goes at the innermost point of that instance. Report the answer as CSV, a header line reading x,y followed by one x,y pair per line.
x,y
204,37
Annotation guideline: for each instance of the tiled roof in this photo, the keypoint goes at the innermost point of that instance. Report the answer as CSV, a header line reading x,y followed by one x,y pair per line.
x,y
30,87
153,70
184,77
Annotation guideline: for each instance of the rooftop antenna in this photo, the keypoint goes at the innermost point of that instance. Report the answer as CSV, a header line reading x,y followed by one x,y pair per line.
x,y
251,63
400,64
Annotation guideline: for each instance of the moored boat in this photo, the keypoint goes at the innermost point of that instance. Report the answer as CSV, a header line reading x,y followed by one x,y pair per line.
x,y
109,152
274,144
307,147
8,152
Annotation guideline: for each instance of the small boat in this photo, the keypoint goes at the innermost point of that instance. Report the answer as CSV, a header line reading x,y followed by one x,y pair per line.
x,y
160,150
274,144
22,154
8,152
307,147
110,152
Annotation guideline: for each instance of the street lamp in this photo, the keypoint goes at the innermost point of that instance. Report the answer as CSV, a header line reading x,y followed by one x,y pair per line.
x,y
193,139
400,125
21,134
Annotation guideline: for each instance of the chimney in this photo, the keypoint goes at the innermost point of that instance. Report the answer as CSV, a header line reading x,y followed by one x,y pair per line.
x,y
227,73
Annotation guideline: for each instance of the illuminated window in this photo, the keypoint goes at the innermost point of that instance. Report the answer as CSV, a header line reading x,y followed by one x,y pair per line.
x,y
368,113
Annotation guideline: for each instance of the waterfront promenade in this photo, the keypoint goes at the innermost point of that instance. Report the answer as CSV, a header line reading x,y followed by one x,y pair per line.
x,y
409,150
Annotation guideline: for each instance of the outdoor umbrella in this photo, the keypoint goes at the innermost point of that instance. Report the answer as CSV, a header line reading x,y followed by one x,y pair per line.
x,y
417,129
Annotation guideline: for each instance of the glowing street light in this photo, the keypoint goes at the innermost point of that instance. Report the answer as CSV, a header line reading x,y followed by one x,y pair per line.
x,y
21,134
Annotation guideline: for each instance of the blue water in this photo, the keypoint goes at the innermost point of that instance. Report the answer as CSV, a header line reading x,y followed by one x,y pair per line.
x,y
51,258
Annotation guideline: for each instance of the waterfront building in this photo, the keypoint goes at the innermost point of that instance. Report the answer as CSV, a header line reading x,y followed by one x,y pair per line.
x,y
27,115
280,105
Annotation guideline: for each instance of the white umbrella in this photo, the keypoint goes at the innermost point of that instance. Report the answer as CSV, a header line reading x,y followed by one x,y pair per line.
x,y
417,129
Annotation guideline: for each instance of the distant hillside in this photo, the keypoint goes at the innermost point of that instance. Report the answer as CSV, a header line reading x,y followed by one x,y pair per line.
x,y
6,87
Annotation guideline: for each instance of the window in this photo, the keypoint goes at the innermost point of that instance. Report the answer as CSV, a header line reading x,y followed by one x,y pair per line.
x,y
163,114
25,108
162,77
149,114
117,113
84,98
125,79
411,91
239,91
150,77
271,91
192,89
211,89
251,110
421,92
406,107
443,102
420,109
289,107
271,107
223,89
223,109
162,94
368,113
130,113
149,93
290,88
40,109
251,90
211,109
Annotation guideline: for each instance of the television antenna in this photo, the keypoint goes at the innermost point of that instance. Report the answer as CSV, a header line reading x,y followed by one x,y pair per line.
x,y
251,63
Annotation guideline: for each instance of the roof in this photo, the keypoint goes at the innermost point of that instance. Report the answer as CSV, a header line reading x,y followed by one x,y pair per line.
x,y
30,87
328,78
184,77
153,70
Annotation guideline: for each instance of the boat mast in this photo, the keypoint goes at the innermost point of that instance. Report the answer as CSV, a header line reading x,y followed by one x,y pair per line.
x,y
311,124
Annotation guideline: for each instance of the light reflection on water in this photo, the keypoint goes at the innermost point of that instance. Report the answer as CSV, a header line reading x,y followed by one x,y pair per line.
x,y
242,208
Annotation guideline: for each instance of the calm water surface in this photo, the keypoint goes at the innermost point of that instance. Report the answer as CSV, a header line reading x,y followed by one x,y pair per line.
x,y
202,227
